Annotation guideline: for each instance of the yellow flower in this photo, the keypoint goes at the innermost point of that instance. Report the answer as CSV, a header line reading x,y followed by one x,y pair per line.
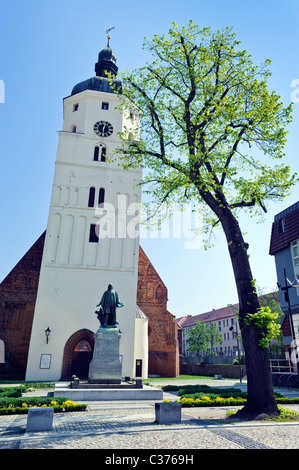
x,y
205,398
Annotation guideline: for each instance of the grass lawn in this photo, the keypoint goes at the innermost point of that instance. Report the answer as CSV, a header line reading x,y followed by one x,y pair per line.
x,y
181,377
285,415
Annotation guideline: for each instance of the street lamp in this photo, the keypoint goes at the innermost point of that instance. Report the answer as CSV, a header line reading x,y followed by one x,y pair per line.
x,y
238,348
47,333
288,285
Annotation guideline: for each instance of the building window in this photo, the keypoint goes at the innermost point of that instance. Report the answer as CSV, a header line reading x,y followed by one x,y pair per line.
x,y
281,225
91,198
93,237
76,107
295,252
101,196
105,106
103,154
96,154
74,129
83,346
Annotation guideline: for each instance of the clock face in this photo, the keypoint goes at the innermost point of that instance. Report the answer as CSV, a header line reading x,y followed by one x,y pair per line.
x,y
103,128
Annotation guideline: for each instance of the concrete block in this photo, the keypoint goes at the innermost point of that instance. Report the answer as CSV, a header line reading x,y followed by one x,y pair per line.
x,y
108,394
40,419
167,413
218,377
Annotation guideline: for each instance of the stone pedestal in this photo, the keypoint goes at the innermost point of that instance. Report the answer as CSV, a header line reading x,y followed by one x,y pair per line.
x,y
106,367
40,419
167,413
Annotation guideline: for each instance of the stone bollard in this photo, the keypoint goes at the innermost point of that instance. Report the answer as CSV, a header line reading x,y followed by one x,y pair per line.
x,y
167,413
40,419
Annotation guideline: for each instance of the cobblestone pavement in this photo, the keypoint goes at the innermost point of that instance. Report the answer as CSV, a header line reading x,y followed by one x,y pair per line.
x,y
131,425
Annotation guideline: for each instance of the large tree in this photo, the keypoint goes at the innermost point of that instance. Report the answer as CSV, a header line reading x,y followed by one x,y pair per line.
x,y
210,126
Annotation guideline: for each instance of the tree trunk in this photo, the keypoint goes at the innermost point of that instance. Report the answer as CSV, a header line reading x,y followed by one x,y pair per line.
x,y
261,397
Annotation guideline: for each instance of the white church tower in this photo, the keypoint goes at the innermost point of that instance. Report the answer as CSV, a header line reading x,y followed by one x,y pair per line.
x,y
87,245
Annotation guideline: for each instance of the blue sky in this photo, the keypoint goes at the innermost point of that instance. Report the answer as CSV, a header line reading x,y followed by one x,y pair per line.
x,y
47,46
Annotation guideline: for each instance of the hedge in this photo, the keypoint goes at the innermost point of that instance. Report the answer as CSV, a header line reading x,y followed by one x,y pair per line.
x,y
60,405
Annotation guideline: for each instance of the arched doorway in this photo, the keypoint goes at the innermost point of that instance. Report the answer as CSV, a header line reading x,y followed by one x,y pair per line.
x,y
82,355
77,355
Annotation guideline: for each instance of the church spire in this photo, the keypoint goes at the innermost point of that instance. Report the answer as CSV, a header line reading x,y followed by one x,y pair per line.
x,y
106,60
106,64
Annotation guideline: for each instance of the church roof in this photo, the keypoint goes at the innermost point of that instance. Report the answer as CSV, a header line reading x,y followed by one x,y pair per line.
x,y
106,64
97,84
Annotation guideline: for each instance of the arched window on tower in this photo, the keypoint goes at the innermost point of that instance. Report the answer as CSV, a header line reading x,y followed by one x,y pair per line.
x,y
96,154
103,154
100,152
74,129
91,198
101,197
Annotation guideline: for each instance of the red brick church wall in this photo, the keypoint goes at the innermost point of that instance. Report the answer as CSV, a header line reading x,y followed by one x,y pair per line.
x,y
18,293
163,329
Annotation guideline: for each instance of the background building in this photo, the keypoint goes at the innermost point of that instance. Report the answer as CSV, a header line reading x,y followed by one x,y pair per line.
x,y
284,246
224,318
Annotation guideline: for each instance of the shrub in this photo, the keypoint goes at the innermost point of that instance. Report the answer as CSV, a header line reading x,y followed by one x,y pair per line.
x,y
60,404
231,401
206,401
12,391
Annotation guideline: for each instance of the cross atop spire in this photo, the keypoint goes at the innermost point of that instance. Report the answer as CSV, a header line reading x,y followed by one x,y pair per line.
x,y
108,32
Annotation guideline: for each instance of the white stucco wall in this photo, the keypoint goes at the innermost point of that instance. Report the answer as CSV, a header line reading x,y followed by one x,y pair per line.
x,y
75,272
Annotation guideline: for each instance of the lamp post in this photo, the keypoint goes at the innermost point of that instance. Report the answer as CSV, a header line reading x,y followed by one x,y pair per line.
x,y
288,285
47,333
238,348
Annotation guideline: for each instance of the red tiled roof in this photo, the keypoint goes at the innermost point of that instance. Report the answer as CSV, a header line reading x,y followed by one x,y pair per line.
x,y
182,320
213,315
281,240
218,314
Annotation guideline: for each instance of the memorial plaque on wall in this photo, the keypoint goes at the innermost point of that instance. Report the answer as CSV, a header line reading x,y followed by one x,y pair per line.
x,y
45,361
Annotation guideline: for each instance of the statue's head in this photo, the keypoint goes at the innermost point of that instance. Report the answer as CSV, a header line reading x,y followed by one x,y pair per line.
x,y
110,287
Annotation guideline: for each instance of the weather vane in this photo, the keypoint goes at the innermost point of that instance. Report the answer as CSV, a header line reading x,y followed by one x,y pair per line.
x,y
108,32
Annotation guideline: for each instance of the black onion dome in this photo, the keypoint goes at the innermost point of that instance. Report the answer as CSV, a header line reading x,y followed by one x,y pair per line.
x,y
106,63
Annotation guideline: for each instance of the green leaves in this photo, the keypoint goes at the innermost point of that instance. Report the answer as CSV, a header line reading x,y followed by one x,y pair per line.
x,y
202,335
209,122
264,320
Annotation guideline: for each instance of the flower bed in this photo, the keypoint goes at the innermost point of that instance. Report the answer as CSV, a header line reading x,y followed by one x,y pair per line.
x,y
204,395
12,402
220,401
59,407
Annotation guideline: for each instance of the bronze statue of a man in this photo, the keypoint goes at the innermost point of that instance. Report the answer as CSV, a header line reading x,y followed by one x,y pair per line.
x,y
108,305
